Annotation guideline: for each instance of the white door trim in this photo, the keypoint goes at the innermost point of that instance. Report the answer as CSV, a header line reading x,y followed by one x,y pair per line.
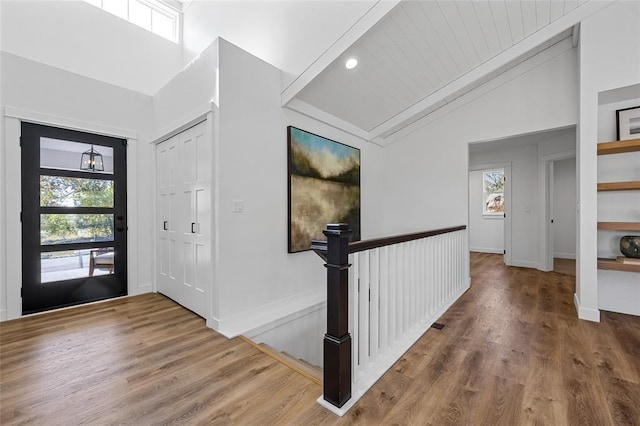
x,y
11,281
545,176
507,205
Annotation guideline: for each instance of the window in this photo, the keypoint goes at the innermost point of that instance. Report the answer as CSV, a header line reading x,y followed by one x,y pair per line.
x,y
493,192
152,15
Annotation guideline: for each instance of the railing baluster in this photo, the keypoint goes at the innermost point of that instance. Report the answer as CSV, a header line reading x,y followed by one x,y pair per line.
x,y
393,299
354,258
364,311
384,299
374,306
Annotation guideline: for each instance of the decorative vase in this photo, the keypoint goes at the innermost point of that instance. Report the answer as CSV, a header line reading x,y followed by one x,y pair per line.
x,y
630,245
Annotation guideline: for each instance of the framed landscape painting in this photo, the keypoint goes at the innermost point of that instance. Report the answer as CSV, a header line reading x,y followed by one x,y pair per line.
x,y
324,187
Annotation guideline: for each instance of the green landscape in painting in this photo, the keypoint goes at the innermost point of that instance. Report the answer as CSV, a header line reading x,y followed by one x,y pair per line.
x,y
324,188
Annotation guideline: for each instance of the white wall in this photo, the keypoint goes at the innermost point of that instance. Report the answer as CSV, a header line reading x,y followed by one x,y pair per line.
x,y
255,280
188,94
290,35
52,96
609,59
425,175
564,208
83,39
486,233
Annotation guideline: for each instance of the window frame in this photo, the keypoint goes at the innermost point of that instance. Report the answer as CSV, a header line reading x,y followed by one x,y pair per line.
x,y
485,195
154,5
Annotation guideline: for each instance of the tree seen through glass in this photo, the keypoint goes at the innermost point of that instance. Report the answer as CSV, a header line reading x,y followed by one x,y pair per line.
x,y
493,192
62,191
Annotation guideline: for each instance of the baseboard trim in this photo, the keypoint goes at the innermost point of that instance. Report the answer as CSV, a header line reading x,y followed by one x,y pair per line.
x,y
213,323
585,313
271,314
619,306
524,264
145,288
3,315
571,256
487,250
283,320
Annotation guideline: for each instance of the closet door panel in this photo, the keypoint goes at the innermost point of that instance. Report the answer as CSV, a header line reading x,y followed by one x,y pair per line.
x,y
184,171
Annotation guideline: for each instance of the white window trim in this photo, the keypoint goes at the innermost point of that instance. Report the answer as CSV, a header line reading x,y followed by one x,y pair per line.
x,y
165,8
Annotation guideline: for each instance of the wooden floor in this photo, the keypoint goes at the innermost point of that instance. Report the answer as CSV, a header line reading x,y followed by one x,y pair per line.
x,y
564,266
512,352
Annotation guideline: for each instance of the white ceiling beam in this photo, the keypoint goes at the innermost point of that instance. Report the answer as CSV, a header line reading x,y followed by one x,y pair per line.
x,y
304,108
455,87
575,35
353,34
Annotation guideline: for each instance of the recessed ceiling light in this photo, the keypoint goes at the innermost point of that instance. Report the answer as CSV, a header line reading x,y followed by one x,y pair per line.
x,y
351,63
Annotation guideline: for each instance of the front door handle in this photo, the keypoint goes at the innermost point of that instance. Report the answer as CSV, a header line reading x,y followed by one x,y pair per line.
x,y
192,225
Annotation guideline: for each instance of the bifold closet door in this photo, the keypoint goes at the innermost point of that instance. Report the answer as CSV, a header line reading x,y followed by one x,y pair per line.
x,y
184,215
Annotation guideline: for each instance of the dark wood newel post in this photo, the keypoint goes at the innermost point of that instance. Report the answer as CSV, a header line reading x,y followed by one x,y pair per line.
x,y
337,340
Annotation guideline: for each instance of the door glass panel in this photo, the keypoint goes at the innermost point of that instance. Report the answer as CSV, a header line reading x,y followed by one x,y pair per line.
x,y
62,191
75,228
66,155
71,264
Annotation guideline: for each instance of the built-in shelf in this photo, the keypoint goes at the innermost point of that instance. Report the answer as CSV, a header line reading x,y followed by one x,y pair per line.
x,y
614,265
619,186
619,226
619,147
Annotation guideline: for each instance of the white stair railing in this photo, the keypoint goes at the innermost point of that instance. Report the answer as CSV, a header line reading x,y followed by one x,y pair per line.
x,y
398,287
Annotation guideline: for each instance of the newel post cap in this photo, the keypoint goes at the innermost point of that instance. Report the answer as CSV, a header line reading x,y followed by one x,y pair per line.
x,y
337,229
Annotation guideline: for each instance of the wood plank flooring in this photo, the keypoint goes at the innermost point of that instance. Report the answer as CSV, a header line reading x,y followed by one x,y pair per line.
x,y
512,352
564,266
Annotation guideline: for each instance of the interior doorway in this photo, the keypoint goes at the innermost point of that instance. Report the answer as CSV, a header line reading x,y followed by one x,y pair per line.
x,y
490,209
74,226
562,208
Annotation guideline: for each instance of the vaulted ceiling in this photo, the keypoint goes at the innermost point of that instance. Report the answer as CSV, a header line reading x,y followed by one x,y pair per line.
x,y
423,54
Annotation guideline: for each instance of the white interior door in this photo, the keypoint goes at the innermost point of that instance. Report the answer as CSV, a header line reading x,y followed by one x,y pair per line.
x,y
167,255
194,183
189,209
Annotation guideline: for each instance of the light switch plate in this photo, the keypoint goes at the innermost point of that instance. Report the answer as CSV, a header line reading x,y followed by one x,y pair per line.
x,y
238,206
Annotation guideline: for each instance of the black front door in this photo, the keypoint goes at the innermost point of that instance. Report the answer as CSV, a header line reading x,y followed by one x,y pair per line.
x,y
74,226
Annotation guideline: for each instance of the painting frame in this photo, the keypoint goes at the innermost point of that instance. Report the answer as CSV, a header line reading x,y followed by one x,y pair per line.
x,y
323,186
628,123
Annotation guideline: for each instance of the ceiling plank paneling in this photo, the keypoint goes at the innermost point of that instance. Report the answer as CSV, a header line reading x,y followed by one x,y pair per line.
x,y
446,53
529,16
459,30
405,59
556,10
407,78
483,11
406,19
501,19
423,55
514,12
543,10
472,25
443,30
569,5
